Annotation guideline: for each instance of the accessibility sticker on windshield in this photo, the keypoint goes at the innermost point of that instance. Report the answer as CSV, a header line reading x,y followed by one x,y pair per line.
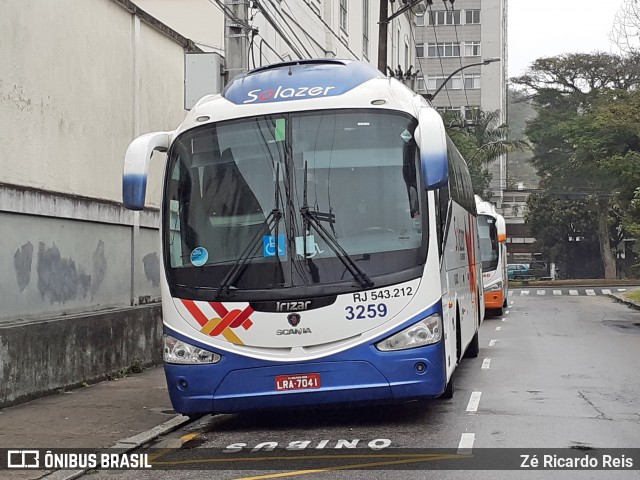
x,y
199,256
269,245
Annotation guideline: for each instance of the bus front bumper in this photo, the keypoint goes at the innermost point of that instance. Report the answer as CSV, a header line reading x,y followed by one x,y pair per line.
x,y
493,300
358,375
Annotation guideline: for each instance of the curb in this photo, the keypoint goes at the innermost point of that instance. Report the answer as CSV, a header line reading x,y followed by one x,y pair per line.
x,y
621,299
125,445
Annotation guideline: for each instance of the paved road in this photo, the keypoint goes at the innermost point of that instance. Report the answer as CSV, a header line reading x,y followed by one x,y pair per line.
x,y
562,373
569,291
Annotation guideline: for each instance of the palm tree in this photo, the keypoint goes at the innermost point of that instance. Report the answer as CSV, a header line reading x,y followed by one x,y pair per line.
x,y
481,139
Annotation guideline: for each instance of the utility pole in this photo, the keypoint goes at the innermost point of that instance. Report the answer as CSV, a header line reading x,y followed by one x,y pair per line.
x,y
383,24
236,38
382,36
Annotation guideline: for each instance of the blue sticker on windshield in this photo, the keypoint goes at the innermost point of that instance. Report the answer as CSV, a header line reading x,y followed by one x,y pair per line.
x,y
269,245
199,256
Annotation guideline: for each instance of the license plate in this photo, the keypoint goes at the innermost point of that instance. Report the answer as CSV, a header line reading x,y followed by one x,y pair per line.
x,y
298,382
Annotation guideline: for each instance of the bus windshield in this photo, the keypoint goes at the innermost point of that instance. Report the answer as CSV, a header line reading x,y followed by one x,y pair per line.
x,y
356,172
488,242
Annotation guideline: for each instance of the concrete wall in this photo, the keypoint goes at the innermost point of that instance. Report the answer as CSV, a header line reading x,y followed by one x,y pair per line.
x,y
38,357
80,80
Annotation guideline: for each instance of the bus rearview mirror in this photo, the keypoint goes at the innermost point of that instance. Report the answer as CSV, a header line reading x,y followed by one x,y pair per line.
x,y
136,167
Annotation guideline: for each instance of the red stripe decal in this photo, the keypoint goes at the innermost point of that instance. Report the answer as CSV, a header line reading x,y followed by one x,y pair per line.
x,y
242,317
219,308
195,312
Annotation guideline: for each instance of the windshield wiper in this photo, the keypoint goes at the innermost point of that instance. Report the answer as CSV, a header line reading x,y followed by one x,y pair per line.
x,y
313,219
271,222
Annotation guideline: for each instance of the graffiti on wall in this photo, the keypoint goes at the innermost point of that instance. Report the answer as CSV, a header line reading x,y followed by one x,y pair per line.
x,y
59,279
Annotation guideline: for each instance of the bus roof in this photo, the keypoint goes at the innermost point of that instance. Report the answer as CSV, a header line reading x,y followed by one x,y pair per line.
x,y
304,85
299,80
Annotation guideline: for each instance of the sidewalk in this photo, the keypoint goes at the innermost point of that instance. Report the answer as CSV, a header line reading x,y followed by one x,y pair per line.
x,y
97,416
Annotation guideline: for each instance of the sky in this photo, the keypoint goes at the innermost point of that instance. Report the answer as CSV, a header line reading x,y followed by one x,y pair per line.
x,y
546,28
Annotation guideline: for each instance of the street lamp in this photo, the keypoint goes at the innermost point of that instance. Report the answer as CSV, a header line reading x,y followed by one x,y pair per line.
x,y
486,61
383,22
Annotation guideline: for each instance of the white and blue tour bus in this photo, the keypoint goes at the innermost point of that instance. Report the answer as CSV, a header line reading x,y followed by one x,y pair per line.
x,y
492,231
319,243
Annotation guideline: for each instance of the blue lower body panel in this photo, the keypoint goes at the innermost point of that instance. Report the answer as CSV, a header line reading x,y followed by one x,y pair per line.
x,y
357,375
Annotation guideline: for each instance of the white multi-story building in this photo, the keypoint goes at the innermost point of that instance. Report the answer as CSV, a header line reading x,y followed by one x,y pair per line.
x,y
287,30
452,35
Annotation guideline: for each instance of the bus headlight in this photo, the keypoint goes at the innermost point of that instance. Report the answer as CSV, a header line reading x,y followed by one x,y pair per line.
x,y
494,288
177,351
425,332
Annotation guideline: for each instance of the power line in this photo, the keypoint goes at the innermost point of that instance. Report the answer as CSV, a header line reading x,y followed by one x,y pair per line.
x,y
413,36
262,40
459,44
293,19
334,33
227,11
277,28
435,33
290,29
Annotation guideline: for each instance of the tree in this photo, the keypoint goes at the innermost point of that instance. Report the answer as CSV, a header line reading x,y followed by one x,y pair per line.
x,y
626,27
583,136
481,140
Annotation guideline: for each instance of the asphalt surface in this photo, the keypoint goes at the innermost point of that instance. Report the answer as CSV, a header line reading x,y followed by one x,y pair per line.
x,y
559,369
555,371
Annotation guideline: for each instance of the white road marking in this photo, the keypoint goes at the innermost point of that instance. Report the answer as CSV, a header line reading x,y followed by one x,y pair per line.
x,y
511,303
622,289
524,292
573,292
466,443
590,292
474,401
606,291
506,312
492,342
486,364
541,292
557,292
503,319
498,329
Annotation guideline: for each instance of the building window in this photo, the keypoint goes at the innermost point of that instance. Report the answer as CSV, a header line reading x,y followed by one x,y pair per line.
x,y
420,84
435,50
343,15
419,50
473,17
435,81
406,56
420,20
472,81
442,17
471,49
469,112
365,28
448,109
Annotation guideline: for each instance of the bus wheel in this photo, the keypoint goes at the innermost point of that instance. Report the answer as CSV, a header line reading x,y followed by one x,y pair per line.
x,y
448,393
499,311
474,347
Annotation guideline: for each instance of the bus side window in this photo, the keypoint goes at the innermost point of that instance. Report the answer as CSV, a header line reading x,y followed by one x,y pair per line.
x,y
442,209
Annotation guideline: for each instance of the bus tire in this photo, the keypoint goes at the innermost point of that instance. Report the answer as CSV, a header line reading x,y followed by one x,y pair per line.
x,y
448,392
474,347
499,311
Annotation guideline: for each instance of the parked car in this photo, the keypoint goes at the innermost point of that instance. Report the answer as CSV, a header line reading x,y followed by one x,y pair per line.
x,y
515,270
